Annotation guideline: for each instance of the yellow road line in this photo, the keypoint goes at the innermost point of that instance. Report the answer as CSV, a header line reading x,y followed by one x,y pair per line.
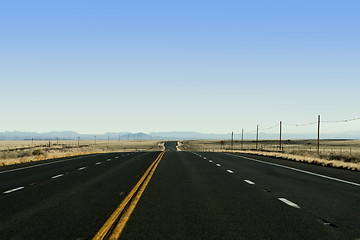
x,y
106,228
123,220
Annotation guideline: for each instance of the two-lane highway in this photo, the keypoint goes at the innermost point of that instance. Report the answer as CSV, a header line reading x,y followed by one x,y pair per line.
x,y
187,195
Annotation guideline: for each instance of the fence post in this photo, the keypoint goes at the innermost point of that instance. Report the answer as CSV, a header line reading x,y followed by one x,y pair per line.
x,y
318,134
242,138
257,136
280,134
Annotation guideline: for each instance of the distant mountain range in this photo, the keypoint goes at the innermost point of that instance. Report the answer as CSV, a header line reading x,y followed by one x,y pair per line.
x,y
70,135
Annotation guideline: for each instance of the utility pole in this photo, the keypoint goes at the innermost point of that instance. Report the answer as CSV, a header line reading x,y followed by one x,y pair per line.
x,y
242,138
280,135
318,134
78,141
232,140
257,136
95,140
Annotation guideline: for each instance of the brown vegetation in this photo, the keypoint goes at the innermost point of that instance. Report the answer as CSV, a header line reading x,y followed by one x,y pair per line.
x,y
20,151
334,153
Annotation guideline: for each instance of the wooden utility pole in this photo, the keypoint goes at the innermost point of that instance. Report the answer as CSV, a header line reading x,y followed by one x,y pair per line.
x,y
318,134
242,138
78,141
257,136
280,134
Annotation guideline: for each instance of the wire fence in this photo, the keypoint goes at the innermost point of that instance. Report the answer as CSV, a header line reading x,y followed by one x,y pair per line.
x,y
341,146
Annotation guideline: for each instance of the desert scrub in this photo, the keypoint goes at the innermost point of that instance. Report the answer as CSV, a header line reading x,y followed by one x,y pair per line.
x,y
37,152
341,157
8,154
24,153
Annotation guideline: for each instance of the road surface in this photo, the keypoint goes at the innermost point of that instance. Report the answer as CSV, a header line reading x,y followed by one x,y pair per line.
x,y
191,195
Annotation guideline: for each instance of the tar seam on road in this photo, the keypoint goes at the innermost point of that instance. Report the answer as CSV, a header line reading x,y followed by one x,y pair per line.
x,y
114,226
298,170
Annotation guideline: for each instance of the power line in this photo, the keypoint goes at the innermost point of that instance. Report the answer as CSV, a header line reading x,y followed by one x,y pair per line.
x,y
300,125
269,127
341,121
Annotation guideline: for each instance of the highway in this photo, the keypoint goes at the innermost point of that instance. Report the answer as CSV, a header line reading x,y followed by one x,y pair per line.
x,y
189,195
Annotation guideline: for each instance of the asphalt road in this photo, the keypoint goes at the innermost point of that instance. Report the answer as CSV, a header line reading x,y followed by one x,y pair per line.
x,y
67,198
190,196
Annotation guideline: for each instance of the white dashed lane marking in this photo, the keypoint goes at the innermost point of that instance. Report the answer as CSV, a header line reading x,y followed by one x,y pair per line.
x,y
249,182
98,163
298,170
218,165
284,200
57,176
229,171
14,190
210,161
108,160
82,168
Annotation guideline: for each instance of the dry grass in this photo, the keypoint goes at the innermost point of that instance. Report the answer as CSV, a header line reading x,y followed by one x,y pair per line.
x,y
20,152
179,146
334,153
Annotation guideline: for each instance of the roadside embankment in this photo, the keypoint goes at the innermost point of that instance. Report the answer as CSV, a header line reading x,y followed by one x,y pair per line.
x,y
23,154
343,154
355,166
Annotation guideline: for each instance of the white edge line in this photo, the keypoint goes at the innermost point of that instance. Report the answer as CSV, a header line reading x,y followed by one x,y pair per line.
x,y
57,176
284,200
299,170
13,190
249,182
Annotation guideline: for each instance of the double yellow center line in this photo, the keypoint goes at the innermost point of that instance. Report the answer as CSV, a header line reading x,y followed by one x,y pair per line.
x,y
114,226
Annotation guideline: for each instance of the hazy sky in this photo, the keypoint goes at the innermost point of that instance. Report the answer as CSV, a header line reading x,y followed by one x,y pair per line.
x,y
206,66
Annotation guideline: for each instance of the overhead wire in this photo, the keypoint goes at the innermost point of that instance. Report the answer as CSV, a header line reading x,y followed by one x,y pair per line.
x,y
300,125
341,121
270,127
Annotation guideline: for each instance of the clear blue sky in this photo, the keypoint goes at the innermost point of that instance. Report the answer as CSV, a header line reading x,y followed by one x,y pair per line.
x,y
206,66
